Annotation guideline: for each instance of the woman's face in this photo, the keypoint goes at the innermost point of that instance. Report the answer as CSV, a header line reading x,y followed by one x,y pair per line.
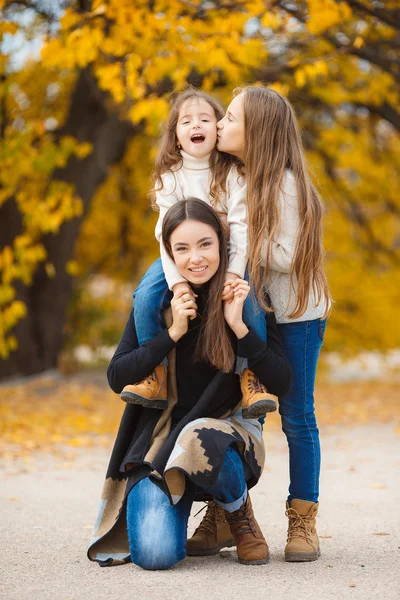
x,y
195,248
231,128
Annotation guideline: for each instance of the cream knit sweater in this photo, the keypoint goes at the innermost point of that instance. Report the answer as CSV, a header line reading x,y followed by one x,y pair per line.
x,y
192,179
283,249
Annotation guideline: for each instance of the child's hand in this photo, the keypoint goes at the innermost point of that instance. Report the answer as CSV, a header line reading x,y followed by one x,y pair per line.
x,y
184,288
227,292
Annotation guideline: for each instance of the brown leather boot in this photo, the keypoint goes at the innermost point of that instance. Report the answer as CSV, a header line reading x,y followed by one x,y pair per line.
x,y
252,549
256,400
302,541
151,392
212,534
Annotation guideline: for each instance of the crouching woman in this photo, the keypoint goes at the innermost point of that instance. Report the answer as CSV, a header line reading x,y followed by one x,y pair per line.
x,y
199,447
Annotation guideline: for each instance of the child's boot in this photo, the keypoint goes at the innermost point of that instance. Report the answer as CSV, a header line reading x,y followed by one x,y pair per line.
x,y
212,534
256,400
151,392
302,542
251,547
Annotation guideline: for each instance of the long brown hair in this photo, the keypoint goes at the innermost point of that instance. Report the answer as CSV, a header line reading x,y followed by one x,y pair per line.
x,y
272,144
169,156
215,340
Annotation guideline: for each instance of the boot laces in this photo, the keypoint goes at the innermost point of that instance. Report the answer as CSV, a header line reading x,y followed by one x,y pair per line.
x,y
298,526
241,521
254,384
209,521
151,377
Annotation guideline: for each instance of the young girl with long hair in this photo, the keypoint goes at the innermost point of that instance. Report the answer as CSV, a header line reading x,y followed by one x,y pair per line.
x,y
286,260
188,164
199,447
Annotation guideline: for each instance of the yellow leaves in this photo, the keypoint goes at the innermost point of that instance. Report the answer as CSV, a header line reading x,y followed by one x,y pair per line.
x,y
8,27
325,14
271,20
310,72
110,79
153,110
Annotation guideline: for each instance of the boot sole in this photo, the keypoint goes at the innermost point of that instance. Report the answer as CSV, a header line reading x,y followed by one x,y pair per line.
x,y
259,409
302,556
132,398
262,561
209,551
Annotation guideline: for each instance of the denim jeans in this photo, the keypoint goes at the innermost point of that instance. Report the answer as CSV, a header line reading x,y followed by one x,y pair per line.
x,y
302,342
152,296
157,530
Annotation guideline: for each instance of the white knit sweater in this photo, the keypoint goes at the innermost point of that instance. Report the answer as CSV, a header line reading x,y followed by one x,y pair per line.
x,y
283,249
192,179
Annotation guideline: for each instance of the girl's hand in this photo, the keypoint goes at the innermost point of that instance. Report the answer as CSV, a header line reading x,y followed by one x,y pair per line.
x,y
184,308
233,310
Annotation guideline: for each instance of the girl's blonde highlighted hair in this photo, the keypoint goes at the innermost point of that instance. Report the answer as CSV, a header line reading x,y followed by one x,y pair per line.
x,y
169,157
273,144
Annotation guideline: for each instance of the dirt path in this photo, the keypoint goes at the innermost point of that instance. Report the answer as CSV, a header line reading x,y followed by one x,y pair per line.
x,y
47,511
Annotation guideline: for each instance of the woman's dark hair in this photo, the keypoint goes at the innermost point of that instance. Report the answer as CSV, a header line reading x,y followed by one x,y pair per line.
x,y
215,341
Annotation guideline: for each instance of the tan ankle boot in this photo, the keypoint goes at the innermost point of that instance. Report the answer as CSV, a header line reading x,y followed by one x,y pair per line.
x,y
256,400
151,392
252,549
212,534
302,542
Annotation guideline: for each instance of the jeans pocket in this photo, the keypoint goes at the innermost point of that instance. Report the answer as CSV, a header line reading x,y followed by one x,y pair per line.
x,y
321,329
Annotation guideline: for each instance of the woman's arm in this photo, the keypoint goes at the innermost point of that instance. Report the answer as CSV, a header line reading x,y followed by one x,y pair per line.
x,y
268,360
131,363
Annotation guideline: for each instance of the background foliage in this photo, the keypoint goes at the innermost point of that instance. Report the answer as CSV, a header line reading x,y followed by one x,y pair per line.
x,y
79,125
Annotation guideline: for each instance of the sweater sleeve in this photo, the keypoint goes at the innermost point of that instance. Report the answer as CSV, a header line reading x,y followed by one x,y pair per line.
x,y
237,221
166,198
131,363
268,360
284,245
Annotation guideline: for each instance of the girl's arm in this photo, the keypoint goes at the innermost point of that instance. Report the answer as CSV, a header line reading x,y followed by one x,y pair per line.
x,y
166,198
131,363
284,245
237,221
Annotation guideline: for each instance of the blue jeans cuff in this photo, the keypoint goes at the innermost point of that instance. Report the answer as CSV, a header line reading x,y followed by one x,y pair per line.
x,y
236,504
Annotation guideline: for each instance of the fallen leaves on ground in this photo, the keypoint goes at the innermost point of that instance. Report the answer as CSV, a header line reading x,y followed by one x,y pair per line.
x,y
80,411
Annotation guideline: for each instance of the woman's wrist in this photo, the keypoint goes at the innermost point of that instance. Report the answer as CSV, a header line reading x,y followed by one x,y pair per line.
x,y
240,330
174,334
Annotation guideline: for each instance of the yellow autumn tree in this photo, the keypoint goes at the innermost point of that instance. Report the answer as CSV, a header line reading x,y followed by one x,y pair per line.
x,y
80,121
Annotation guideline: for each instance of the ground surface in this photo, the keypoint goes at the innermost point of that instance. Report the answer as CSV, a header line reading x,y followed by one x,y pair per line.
x,y
48,505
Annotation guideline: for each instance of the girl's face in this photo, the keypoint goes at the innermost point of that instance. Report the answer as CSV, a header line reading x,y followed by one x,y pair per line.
x,y
231,129
196,129
195,248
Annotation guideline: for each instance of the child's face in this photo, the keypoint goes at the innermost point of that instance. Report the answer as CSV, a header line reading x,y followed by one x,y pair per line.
x,y
195,248
196,129
231,129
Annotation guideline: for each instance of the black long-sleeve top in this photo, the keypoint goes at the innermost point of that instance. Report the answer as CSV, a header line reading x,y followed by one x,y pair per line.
x,y
131,363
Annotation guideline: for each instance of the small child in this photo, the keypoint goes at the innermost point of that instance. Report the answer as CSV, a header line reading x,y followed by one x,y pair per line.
x,y
188,164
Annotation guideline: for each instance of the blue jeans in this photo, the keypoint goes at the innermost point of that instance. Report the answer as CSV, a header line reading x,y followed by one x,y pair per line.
x,y
152,296
157,530
302,342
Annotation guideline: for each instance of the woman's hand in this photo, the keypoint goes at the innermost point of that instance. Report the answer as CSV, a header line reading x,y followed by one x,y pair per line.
x,y
233,310
184,308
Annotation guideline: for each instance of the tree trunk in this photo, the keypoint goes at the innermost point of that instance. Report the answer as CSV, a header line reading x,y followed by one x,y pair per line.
x,y
39,334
